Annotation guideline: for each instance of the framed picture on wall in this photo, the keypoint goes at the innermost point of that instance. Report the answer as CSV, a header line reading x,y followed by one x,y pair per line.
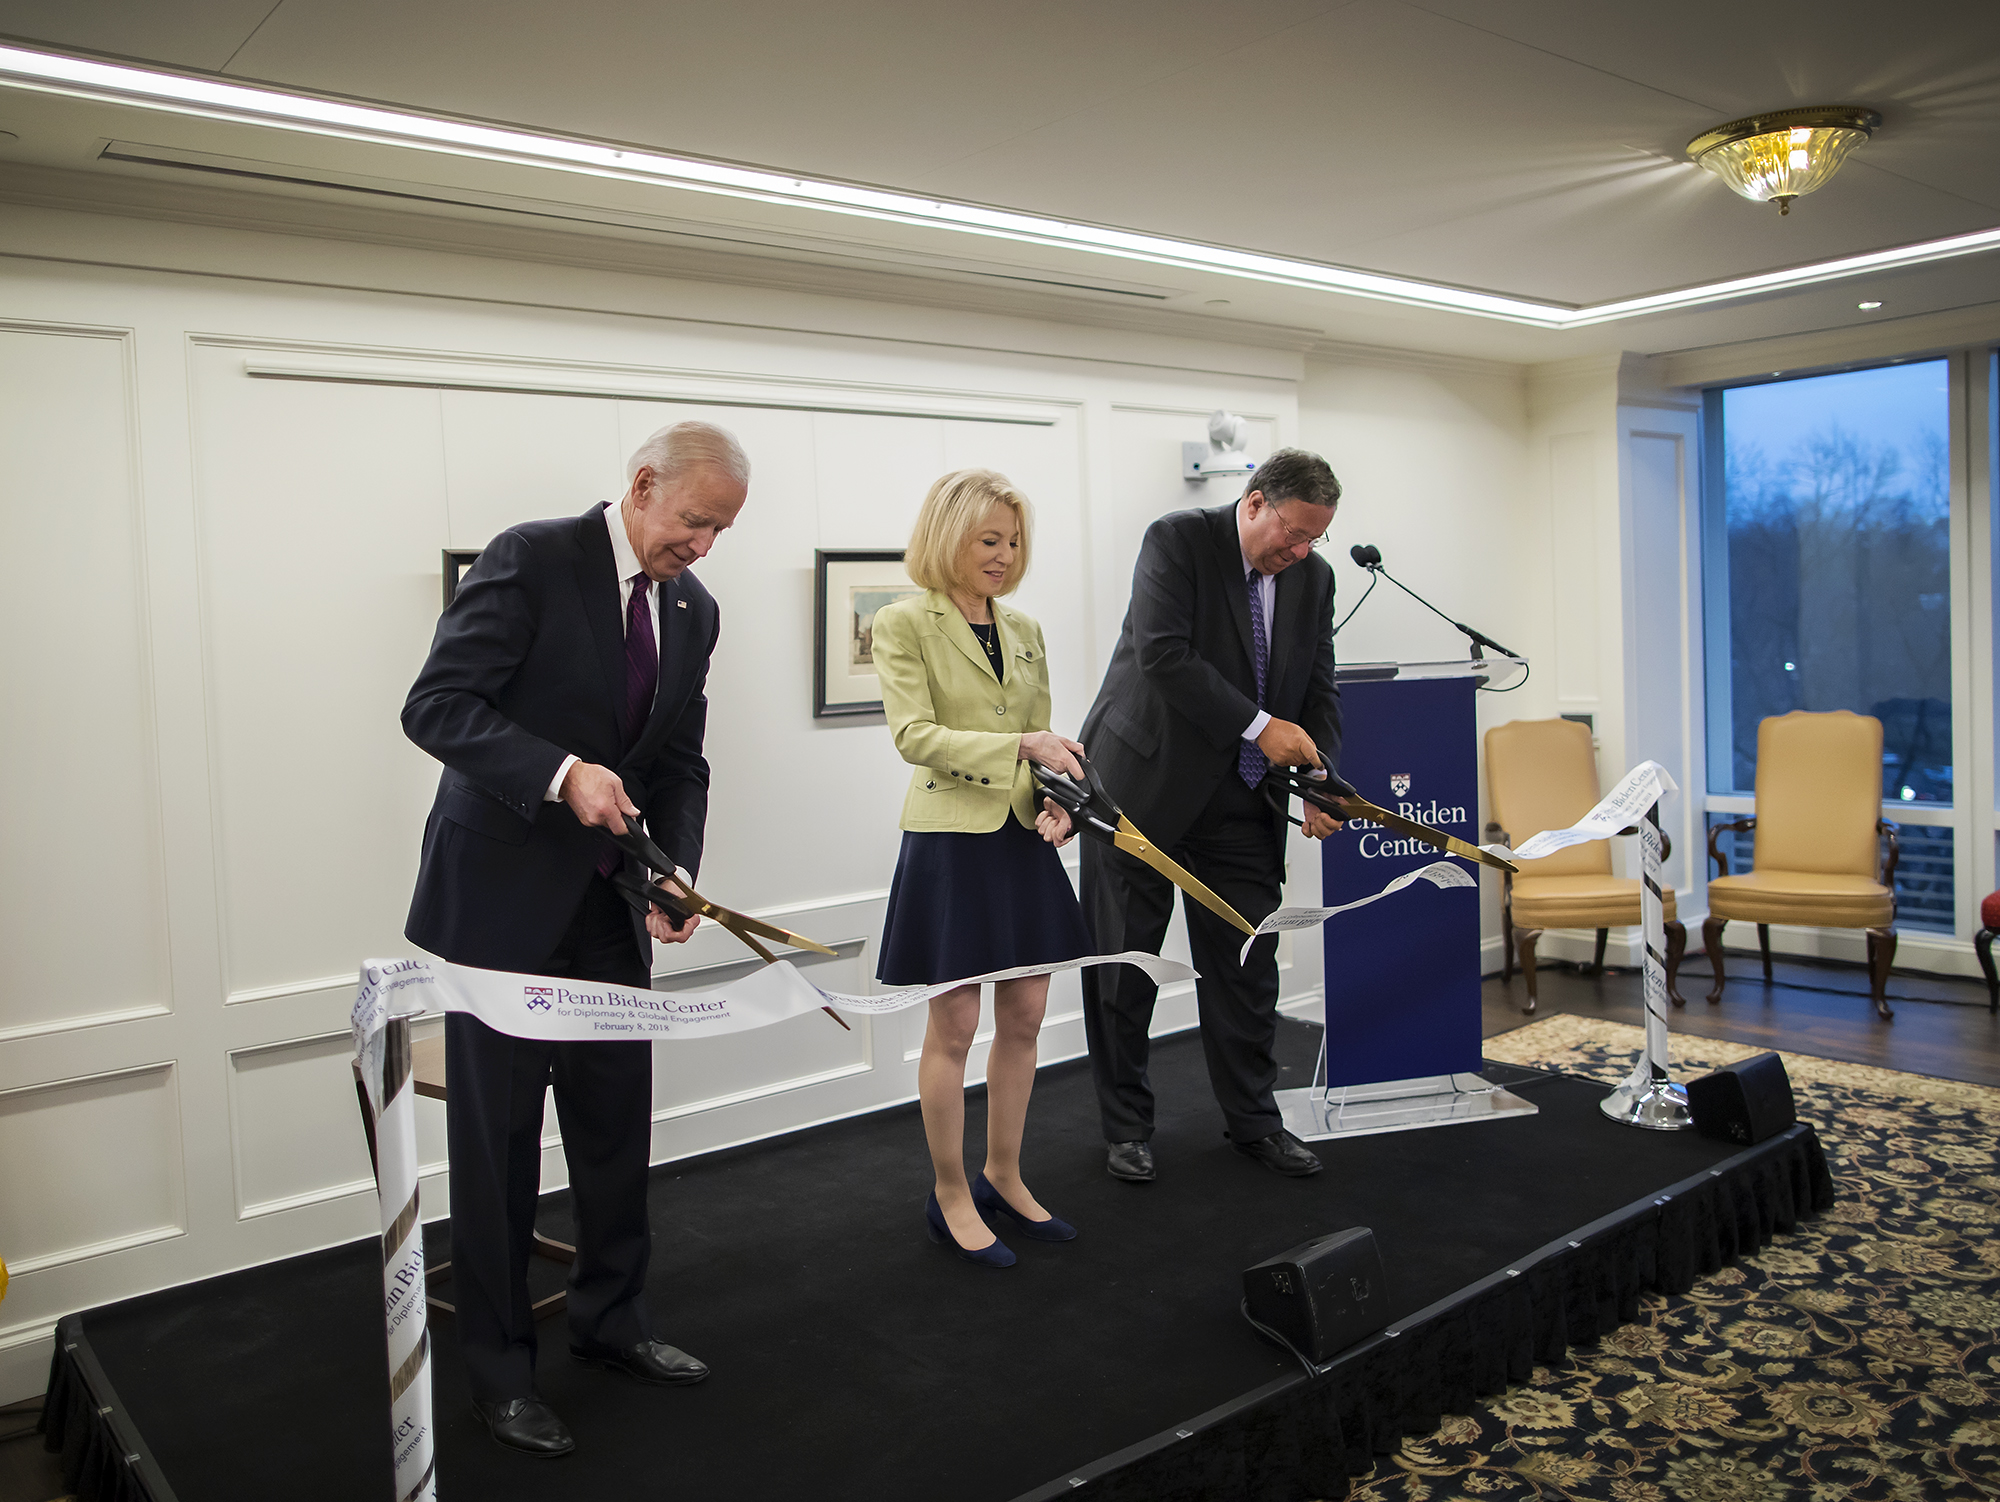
x,y
456,562
849,586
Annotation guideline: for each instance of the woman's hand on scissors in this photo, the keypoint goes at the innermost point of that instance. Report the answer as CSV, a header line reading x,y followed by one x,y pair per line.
x,y
1056,752
1053,824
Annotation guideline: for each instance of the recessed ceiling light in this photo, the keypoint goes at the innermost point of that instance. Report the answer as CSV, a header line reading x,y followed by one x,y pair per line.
x,y
1216,302
213,99
1868,307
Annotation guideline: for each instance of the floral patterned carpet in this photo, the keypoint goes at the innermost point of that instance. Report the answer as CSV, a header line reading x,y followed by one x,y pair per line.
x,y
1856,1360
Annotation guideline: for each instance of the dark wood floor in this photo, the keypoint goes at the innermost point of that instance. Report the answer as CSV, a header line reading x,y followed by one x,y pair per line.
x,y
1941,1027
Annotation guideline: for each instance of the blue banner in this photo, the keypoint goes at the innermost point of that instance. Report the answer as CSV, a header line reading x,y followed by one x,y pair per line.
x,y
1402,976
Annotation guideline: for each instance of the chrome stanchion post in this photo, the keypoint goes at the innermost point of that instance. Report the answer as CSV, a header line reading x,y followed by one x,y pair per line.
x,y
1650,1098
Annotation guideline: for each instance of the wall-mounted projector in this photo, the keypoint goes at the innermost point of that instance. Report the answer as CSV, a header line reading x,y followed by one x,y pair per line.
x,y
1223,454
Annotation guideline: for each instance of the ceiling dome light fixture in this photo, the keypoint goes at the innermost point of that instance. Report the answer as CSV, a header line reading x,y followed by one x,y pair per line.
x,y
1775,157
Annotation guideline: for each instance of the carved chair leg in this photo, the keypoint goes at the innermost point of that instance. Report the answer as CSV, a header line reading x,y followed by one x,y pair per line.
x,y
1711,940
1764,949
1881,955
1526,937
1983,943
1677,943
1597,959
1507,941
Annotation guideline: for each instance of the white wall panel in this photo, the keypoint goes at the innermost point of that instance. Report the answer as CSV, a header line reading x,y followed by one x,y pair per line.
x,y
80,796
322,513
512,457
1573,508
93,1166
296,1123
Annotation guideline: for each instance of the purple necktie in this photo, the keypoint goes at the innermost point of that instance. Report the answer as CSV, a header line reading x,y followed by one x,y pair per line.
x,y
1251,762
642,677
642,662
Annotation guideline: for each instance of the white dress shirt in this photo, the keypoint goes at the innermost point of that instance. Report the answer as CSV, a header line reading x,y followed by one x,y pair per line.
x,y
626,561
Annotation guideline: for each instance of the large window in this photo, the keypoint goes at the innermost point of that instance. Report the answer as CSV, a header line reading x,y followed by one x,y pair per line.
x,y
1830,587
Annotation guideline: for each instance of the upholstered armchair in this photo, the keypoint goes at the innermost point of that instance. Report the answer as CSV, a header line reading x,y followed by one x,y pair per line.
x,y
1816,857
1542,774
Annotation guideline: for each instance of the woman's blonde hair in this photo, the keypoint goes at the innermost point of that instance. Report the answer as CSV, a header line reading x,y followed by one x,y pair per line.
x,y
952,513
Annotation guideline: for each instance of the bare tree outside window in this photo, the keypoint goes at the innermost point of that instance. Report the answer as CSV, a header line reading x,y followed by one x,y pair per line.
x,y
1838,515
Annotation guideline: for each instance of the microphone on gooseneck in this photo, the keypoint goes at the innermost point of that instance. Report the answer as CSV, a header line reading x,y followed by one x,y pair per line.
x,y
1370,557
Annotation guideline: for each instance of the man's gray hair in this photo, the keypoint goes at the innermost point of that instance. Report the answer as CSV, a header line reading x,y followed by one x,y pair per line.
x,y
682,446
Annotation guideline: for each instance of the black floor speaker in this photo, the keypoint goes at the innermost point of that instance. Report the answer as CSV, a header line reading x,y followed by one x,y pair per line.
x,y
1744,1102
1323,1295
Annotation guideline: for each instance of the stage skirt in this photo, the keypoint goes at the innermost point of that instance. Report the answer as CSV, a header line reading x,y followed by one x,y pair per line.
x,y
968,904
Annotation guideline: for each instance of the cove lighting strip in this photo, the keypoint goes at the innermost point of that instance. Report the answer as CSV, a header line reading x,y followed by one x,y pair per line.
x,y
209,98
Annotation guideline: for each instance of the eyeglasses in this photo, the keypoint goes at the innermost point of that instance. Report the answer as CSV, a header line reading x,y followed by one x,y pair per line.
x,y
1294,536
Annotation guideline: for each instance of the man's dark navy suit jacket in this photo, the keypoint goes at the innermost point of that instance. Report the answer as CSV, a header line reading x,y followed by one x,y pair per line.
x,y
528,666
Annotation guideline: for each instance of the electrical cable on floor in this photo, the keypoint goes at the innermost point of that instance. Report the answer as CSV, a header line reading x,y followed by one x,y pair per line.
x,y
1277,1338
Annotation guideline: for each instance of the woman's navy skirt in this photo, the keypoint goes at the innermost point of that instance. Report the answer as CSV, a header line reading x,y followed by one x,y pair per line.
x,y
968,904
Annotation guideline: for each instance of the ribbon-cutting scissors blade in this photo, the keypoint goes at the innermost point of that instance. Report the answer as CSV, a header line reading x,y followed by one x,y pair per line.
x,y
635,843
742,925
1132,842
1092,812
1334,796
1358,807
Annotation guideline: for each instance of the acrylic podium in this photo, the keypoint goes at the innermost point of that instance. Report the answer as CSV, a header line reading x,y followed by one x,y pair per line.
x,y
1402,1045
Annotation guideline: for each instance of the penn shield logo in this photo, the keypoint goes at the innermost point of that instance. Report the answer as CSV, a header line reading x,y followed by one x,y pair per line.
x,y
1399,783
540,998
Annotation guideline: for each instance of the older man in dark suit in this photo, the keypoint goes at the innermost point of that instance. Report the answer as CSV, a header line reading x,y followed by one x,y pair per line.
x,y
565,696
1224,667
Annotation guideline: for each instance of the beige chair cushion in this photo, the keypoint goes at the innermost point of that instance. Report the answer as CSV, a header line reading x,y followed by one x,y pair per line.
x,y
1580,901
1542,774
1819,792
1817,899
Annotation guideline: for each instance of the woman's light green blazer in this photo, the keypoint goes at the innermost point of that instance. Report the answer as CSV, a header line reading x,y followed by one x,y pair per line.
x,y
959,727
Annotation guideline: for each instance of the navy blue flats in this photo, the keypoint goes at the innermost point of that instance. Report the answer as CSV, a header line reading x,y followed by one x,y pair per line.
x,y
989,1202
995,1255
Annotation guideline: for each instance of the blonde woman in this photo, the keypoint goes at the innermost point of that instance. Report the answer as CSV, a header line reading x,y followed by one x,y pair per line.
x,y
978,888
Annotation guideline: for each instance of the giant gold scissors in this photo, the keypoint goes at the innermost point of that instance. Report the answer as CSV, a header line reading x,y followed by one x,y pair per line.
x,y
1092,812
1338,798
642,894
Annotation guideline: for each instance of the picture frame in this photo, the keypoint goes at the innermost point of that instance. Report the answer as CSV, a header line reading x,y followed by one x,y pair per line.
x,y
849,586
456,562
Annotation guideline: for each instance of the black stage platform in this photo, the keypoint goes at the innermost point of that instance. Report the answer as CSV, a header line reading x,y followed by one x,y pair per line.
x,y
853,1359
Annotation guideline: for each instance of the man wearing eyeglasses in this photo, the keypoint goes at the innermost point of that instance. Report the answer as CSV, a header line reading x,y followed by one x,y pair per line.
x,y
1223,668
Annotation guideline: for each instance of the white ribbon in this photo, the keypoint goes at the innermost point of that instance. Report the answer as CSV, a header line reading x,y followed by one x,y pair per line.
x,y
1437,873
539,1006
1619,809
1625,806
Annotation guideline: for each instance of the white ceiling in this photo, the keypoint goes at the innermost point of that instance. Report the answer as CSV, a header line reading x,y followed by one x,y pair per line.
x,y
1531,148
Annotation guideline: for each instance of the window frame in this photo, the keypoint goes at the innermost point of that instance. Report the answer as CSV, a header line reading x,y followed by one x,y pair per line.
x,y
1973,815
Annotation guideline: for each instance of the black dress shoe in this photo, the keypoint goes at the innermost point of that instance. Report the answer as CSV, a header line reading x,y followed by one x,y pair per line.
x,y
1280,1152
525,1424
1131,1161
650,1361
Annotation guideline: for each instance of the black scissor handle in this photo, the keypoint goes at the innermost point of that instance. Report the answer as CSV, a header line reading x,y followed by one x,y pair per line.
x,y
1089,807
1324,793
644,895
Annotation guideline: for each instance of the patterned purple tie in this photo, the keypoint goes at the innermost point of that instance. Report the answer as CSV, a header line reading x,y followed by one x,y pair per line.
x,y
1251,762
642,677
642,662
